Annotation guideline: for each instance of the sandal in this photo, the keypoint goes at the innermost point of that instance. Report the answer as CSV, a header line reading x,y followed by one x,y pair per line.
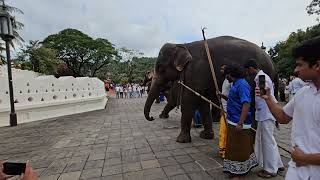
x,y
281,169
265,174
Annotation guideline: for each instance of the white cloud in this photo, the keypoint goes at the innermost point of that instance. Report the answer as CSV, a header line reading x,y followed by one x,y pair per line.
x,y
147,24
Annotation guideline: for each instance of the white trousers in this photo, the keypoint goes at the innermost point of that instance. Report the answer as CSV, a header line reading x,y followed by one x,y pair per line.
x,y
266,148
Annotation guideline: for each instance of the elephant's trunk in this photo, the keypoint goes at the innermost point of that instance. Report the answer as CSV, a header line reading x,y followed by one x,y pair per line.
x,y
153,94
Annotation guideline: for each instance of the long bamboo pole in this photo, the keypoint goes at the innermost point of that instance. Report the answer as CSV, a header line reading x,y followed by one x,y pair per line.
x,y
213,73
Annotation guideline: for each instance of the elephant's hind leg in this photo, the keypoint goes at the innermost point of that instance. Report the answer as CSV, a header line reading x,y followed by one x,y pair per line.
x,y
207,133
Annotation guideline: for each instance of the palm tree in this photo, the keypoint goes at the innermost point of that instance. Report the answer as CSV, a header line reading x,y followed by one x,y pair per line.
x,y
16,27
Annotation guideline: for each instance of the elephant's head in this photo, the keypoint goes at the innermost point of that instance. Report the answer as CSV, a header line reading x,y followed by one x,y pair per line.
x,y
171,60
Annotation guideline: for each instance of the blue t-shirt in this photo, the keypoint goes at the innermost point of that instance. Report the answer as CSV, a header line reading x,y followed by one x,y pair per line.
x,y
239,94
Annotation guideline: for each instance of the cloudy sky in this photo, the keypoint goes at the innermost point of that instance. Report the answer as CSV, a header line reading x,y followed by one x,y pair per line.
x,y
146,25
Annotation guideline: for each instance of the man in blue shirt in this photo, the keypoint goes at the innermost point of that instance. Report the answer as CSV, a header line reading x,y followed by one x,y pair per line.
x,y
239,157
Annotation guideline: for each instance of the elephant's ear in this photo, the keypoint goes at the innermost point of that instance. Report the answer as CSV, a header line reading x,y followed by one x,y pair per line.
x,y
182,57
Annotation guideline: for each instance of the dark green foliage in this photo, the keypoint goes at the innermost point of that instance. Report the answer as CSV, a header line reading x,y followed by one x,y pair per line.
x,y
314,7
281,53
38,58
128,71
82,54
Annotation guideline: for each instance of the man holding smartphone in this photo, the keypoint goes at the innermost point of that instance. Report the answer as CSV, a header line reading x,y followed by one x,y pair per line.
x,y
266,149
304,112
28,174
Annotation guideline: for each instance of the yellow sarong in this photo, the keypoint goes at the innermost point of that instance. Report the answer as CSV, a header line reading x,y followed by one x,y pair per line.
x,y
222,136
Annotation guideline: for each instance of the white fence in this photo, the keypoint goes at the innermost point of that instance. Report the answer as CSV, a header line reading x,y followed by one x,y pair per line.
x,y
42,97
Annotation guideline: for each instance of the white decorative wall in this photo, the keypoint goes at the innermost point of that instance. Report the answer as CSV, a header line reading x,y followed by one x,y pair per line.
x,y
42,97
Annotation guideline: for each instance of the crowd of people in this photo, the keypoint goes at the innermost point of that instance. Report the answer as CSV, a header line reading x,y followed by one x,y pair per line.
x,y
245,104
287,89
133,90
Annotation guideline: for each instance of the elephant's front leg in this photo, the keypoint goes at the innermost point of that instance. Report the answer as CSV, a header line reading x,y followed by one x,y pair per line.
x,y
186,118
207,133
165,113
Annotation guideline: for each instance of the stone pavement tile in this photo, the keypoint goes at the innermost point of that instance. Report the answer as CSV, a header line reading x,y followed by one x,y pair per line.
x,y
178,152
179,177
112,161
113,149
191,167
74,166
50,177
91,173
79,158
167,161
209,163
70,176
162,154
113,155
144,157
41,164
56,167
94,156
173,170
130,159
138,175
218,174
144,150
112,177
191,150
150,164
200,176
131,167
94,164
39,171
154,173
112,170
183,159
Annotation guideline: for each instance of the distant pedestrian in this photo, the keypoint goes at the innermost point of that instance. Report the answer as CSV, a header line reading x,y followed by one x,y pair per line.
x,y
117,91
295,85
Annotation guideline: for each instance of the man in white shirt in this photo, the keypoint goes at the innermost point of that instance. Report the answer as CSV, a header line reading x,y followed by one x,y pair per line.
x,y
266,149
295,85
118,91
304,112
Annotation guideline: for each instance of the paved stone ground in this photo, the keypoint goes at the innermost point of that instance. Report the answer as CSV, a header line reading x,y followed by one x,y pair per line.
x,y
117,143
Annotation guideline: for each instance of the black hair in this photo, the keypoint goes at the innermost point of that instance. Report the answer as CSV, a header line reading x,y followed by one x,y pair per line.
x,y
234,70
251,63
309,50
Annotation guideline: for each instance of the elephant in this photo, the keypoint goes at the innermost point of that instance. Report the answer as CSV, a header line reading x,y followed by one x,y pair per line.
x,y
170,92
189,63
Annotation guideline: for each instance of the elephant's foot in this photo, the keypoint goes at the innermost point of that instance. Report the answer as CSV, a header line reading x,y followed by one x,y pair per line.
x,y
164,116
206,135
184,138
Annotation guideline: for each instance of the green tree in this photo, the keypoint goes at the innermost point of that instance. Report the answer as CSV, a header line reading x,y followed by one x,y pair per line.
x,y
314,8
83,55
121,72
103,52
17,26
40,58
281,54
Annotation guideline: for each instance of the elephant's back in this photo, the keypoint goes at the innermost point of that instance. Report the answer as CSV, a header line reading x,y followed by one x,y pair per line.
x,y
228,49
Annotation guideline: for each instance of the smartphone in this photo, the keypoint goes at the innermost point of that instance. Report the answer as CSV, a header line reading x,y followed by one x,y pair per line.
x,y
11,168
262,84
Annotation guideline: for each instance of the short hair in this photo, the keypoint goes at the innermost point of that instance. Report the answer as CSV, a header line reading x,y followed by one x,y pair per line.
x,y
251,63
235,71
309,50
